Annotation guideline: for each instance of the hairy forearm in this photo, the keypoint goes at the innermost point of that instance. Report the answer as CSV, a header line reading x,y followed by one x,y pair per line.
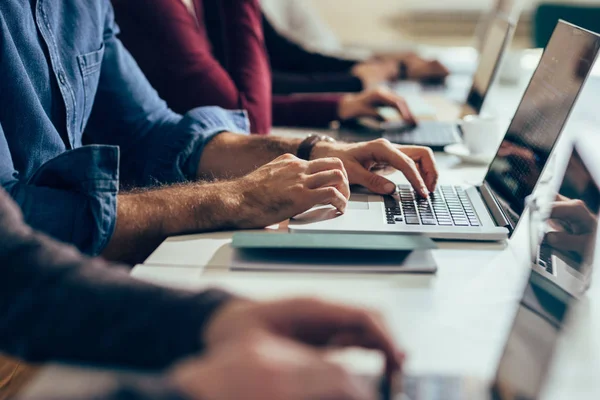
x,y
230,156
146,218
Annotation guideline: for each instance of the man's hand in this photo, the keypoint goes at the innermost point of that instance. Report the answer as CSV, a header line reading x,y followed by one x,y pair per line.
x,y
416,163
289,186
420,69
266,367
366,104
575,227
373,73
311,322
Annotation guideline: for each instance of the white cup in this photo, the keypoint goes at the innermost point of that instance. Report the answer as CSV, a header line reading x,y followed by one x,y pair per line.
x,y
481,134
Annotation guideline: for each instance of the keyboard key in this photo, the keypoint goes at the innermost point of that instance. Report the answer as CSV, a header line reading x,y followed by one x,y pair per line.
x,y
461,223
413,221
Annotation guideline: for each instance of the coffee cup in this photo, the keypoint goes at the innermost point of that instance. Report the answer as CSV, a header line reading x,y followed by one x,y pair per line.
x,y
481,134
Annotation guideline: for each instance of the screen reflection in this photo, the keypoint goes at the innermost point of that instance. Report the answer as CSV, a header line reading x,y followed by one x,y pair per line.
x,y
570,235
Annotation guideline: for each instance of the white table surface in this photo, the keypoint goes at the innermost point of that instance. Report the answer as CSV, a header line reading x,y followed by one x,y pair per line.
x,y
453,322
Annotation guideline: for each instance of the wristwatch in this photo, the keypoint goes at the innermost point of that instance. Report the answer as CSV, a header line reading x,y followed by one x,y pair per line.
x,y
307,145
402,71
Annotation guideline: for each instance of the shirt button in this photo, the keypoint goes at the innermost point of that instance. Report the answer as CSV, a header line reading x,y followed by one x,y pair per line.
x,y
61,78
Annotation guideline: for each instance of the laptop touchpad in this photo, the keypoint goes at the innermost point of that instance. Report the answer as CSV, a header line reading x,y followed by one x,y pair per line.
x,y
358,202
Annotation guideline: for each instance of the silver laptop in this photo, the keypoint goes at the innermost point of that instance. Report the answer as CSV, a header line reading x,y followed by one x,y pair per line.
x,y
564,227
438,134
525,363
490,211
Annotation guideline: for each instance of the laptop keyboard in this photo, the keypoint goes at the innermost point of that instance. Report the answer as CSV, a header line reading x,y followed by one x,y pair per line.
x,y
545,258
429,133
448,206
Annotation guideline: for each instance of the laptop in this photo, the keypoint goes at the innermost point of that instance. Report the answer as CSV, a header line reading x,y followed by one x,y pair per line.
x,y
438,134
564,227
491,210
544,310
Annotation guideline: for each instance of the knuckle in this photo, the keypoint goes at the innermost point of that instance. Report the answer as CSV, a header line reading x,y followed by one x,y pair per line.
x,y
409,162
298,188
381,142
297,164
337,162
331,192
339,175
288,156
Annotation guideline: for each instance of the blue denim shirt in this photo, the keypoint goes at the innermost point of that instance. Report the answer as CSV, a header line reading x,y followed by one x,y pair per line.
x,y
78,120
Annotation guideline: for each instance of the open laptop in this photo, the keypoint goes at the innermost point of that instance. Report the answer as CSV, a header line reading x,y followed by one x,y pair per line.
x,y
525,363
438,134
564,230
490,211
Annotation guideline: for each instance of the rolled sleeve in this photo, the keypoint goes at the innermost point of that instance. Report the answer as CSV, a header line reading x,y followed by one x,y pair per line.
x,y
210,121
73,197
173,155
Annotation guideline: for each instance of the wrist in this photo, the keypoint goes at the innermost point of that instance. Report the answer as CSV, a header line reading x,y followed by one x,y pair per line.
x,y
223,210
346,107
323,150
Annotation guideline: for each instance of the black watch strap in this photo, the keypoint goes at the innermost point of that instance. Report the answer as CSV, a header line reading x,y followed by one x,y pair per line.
x,y
402,71
307,145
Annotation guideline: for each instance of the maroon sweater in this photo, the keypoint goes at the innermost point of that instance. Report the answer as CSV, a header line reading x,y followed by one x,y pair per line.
x,y
218,58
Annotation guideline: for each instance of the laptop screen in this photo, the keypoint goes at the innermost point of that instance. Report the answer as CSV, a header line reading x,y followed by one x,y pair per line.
x,y
498,38
531,343
541,116
568,234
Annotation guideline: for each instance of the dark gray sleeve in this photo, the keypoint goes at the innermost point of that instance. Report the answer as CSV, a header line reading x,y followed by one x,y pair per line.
x,y
58,305
80,383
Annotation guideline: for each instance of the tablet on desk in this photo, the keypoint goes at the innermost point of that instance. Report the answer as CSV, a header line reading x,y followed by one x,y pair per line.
x,y
336,253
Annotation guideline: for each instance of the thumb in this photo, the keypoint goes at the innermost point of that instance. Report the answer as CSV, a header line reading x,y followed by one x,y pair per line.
x,y
375,183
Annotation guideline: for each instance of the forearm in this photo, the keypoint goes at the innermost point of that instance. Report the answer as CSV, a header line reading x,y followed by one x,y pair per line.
x,y
230,156
57,305
146,218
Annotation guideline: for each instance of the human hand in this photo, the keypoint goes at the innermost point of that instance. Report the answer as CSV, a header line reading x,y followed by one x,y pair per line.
x,y
289,186
308,321
360,159
420,69
266,367
375,72
575,227
366,104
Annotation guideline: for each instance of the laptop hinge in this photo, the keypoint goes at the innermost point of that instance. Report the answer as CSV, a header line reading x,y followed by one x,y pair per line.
x,y
494,207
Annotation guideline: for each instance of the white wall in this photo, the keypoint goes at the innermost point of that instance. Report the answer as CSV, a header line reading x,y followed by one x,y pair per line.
x,y
367,21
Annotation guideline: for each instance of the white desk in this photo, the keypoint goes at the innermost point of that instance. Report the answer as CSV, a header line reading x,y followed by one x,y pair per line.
x,y
454,322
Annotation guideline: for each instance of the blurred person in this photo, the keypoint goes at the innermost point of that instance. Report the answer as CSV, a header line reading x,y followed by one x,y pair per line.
x,y
95,158
193,58
58,305
302,48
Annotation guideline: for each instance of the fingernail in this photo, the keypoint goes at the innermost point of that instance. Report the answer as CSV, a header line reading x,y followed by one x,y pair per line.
x,y
389,188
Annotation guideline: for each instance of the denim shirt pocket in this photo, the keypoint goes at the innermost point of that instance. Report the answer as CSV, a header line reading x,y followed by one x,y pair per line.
x,y
90,67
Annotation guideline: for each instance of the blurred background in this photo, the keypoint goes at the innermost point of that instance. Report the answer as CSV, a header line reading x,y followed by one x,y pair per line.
x,y
437,22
